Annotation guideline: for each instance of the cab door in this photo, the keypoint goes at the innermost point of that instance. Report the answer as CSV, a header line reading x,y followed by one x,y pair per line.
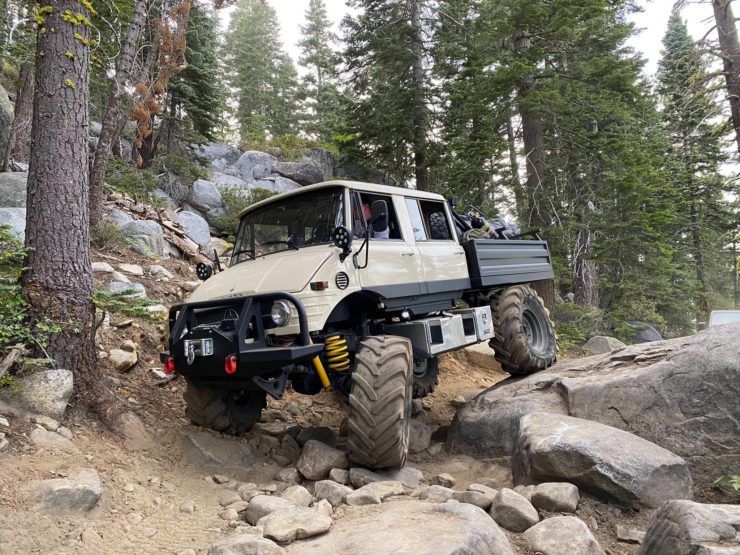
x,y
393,267
443,263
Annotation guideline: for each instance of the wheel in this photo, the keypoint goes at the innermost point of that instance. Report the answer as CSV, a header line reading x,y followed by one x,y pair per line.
x,y
426,377
380,402
525,339
438,226
231,412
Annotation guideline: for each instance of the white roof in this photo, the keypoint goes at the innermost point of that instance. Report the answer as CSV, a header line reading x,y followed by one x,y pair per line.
x,y
357,185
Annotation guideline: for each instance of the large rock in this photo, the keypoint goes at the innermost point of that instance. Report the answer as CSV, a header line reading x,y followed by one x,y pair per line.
x,y
410,528
254,165
227,181
218,154
13,189
304,172
643,333
196,228
294,523
46,392
681,394
78,493
326,161
6,118
599,459
44,439
118,217
408,476
136,290
204,195
277,184
688,528
333,492
556,497
317,460
16,219
562,535
206,450
600,344
244,544
262,505
145,237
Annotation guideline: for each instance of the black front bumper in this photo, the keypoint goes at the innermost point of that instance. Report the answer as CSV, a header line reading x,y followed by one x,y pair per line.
x,y
235,326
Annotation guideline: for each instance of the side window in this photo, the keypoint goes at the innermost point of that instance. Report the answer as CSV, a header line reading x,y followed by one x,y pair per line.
x,y
417,222
435,220
361,207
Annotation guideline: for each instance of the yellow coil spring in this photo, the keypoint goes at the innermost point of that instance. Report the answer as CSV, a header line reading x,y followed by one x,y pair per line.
x,y
337,357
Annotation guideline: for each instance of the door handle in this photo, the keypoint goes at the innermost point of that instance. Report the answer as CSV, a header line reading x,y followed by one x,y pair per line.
x,y
460,253
409,253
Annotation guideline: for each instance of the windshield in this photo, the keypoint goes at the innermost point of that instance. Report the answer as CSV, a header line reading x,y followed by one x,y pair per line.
x,y
295,222
718,317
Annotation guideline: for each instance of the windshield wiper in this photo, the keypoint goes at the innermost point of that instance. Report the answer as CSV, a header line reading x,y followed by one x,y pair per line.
x,y
250,252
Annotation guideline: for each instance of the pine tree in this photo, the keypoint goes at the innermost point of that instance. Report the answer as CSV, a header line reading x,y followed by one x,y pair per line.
x,y
197,96
261,75
320,84
691,113
386,59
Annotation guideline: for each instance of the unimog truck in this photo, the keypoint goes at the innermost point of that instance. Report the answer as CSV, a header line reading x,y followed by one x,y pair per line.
x,y
358,288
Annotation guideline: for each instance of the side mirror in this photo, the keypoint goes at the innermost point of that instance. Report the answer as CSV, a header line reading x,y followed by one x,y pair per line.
x,y
342,238
379,215
203,271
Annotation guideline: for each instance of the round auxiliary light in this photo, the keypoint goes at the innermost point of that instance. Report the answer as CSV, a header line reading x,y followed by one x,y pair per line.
x,y
203,271
280,313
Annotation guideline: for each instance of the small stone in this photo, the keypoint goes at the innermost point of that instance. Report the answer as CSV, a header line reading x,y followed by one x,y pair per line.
x,y
436,494
562,535
513,512
102,267
187,507
362,496
238,506
159,374
244,544
298,495
189,285
187,552
322,506
149,532
426,404
229,515
408,476
339,475
332,491
444,479
485,490
65,432
420,435
78,493
159,271
131,269
435,449
48,423
525,491
228,497
220,478
288,475
50,440
262,505
128,488
122,360
119,283
155,481
474,498
629,535
458,401
89,535
4,422
4,443
129,346
555,497
416,407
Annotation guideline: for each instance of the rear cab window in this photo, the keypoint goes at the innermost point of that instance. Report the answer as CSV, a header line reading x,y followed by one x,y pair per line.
x,y
429,220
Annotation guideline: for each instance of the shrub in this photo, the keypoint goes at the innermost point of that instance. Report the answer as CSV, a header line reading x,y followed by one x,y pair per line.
x,y
293,146
106,235
121,303
125,179
574,324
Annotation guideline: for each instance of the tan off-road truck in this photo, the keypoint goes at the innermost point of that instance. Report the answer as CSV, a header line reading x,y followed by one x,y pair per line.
x,y
359,288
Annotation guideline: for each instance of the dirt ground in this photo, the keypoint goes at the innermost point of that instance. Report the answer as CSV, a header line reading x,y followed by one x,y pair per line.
x,y
139,511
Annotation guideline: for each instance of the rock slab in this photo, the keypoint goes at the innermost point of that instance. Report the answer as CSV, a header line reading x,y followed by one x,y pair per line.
x,y
599,459
244,544
688,528
207,450
294,523
317,460
410,528
77,494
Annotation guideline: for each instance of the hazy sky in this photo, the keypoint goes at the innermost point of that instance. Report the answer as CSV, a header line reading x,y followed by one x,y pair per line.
x,y
653,20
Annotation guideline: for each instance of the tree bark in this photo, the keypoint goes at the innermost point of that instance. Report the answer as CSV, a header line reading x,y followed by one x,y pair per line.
x,y
420,107
19,142
702,299
58,283
730,48
113,112
516,184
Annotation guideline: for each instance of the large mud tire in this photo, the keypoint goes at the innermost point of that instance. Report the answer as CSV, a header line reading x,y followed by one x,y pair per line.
x,y
438,227
380,402
230,412
525,337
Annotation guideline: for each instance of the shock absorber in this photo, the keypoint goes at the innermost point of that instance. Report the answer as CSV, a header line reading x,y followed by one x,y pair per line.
x,y
337,357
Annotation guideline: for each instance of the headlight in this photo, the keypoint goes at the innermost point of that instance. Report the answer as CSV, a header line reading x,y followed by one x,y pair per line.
x,y
280,313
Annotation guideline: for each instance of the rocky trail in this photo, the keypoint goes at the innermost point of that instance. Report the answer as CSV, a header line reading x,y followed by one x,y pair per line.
x,y
615,453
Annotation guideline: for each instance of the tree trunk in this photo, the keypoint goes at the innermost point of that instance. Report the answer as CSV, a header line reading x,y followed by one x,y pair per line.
x,y
19,142
702,298
420,107
58,283
113,112
516,184
730,48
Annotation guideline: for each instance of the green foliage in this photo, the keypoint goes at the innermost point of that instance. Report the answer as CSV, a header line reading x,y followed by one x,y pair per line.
x,y
293,147
732,481
575,324
128,180
122,303
197,95
106,235
260,73
10,382
236,200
